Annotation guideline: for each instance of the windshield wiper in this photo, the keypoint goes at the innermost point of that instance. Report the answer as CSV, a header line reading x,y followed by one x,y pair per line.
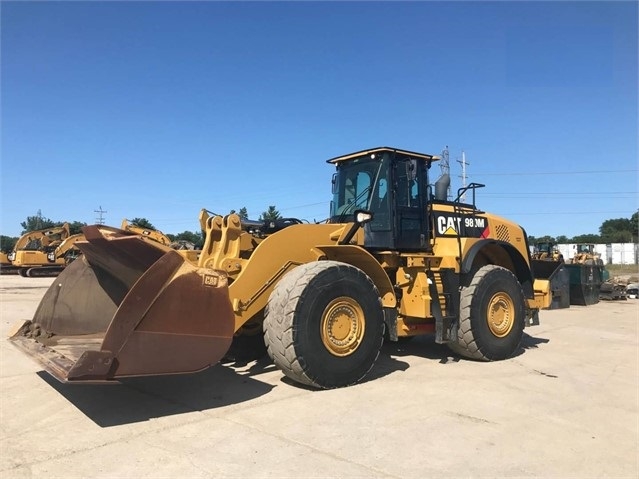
x,y
349,207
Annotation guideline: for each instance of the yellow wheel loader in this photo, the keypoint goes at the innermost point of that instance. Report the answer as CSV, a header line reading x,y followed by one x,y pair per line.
x,y
547,251
548,263
586,270
585,254
395,259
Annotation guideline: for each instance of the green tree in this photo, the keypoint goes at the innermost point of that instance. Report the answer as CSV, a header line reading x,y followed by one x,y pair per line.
x,y
634,226
38,222
586,238
189,236
142,223
270,215
617,230
533,240
561,239
7,243
75,227
623,236
243,214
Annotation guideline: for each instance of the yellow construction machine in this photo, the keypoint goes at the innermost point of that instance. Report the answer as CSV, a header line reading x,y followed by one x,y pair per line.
x,y
49,258
155,235
6,267
586,270
395,259
548,263
586,254
547,251
31,251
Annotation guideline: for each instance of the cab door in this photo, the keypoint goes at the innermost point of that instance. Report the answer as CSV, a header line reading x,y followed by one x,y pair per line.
x,y
409,220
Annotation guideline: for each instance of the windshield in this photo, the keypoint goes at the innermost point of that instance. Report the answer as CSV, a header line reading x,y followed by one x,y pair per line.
x,y
354,185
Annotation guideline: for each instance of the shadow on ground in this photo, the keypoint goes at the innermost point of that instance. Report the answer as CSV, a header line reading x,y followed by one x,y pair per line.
x,y
140,399
530,342
426,347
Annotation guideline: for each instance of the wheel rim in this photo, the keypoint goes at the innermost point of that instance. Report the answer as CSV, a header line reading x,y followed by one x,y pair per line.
x,y
500,314
342,326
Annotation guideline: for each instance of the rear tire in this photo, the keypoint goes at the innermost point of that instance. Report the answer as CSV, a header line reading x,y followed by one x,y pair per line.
x,y
324,324
492,315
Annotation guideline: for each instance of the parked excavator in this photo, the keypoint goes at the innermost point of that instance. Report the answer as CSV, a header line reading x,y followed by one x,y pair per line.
x,y
32,248
6,267
155,235
63,255
48,261
395,258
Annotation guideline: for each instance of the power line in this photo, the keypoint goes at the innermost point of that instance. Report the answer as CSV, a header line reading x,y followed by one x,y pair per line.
x,y
554,213
593,193
550,196
324,203
530,173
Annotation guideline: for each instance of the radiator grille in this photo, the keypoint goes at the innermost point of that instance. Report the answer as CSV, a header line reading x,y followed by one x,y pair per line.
x,y
502,233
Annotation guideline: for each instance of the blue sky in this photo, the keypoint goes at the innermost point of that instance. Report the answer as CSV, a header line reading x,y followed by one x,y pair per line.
x,y
159,109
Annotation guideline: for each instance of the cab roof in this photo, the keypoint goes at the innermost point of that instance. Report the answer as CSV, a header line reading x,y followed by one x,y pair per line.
x,y
382,149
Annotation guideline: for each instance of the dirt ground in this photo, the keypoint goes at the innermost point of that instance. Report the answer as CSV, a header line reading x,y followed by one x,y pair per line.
x,y
565,406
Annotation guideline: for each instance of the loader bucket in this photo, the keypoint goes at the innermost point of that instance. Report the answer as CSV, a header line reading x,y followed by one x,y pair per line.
x,y
557,275
585,283
128,307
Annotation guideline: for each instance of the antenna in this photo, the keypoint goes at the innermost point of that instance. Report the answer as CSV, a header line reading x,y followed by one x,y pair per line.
x,y
444,164
463,176
100,220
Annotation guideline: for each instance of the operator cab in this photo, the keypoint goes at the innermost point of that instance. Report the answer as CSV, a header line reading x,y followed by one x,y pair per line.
x,y
393,185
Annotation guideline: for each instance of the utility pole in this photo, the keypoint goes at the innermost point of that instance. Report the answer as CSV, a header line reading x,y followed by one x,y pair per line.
x,y
463,176
444,164
100,220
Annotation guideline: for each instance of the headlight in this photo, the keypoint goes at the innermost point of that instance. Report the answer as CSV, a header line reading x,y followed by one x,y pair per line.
x,y
363,217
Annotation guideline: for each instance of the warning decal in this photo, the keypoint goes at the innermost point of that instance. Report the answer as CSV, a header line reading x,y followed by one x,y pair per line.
x,y
465,226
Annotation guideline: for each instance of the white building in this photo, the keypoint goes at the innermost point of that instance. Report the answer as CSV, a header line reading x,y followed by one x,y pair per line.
x,y
615,253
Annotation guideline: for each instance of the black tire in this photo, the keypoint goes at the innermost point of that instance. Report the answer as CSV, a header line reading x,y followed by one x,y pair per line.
x,y
23,272
324,324
492,315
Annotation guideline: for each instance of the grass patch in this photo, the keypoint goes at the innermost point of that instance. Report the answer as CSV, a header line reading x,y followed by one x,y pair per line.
x,y
623,269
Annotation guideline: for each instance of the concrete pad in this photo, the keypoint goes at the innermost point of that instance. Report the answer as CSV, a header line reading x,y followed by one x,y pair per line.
x,y
565,406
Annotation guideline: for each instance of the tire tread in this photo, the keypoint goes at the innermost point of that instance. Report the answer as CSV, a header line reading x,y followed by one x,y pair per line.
x,y
280,314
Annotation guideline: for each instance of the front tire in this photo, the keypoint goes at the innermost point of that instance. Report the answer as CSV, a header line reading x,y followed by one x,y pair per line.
x,y
324,324
492,315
